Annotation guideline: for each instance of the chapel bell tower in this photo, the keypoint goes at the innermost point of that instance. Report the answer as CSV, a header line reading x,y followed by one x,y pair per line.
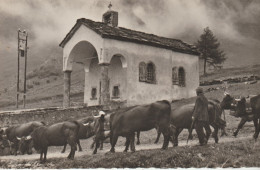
x,y
110,17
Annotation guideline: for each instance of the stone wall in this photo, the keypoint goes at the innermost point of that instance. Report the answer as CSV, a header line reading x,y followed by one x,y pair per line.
x,y
47,115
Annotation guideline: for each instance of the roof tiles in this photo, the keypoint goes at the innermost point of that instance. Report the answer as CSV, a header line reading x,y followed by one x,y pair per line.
x,y
124,34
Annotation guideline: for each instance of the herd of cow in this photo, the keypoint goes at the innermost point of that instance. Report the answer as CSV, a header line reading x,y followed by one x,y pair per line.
x,y
126,122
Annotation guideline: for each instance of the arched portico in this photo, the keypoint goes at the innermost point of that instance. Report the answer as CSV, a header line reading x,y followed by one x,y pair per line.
x,y
118,77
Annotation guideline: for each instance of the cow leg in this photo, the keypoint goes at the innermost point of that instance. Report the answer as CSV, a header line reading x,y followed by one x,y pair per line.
x,y
138,137
208,132
97,142
15,148
127,144
176,135
45,154
41,155
166,136
158,136
101,145
113,140
256,124
214,134
132,142
64,148
240,126
80,148
72,141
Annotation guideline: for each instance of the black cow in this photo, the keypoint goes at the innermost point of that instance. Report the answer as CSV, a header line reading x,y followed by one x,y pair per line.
x,y
85,130
248,110
56,135
140,118
14,133
181,118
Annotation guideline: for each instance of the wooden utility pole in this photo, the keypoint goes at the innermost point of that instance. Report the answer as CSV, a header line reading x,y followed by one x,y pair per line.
x,y
18,69
25,68
22,52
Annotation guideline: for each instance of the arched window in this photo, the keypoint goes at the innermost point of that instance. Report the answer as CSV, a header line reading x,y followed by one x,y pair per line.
x,y
175,80
142,72
150,74
181,76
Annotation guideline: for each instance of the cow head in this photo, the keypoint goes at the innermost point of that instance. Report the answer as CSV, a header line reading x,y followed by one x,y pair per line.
x,y
89,129
25,144
227,101
240,106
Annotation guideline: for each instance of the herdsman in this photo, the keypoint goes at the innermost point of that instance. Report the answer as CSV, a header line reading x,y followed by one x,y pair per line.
x,y
99,130
200,117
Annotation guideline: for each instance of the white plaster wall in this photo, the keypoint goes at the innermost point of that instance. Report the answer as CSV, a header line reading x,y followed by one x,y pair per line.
x,y
140,92
164,60
191,67
92,79
117,76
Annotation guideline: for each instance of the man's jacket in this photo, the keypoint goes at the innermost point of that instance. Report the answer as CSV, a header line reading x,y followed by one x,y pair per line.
x,y
201,108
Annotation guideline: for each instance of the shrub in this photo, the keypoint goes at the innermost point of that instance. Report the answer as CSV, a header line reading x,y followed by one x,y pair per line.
x,y
48,81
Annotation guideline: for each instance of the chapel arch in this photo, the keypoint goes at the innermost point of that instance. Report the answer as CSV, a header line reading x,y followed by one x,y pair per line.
x,y
82,53
76,66
118,77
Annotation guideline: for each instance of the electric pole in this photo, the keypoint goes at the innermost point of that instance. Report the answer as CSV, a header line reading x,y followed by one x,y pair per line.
x,y
22,52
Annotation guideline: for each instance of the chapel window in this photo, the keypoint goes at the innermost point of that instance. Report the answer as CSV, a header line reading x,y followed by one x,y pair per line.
x,y
94,93
175,80
115,92
181,76
142,72
150,74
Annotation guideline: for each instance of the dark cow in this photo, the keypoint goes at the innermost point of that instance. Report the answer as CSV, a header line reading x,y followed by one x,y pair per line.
x,y
14,133
101,138
56,135
85,130
156,140
140,118
248,110
181,118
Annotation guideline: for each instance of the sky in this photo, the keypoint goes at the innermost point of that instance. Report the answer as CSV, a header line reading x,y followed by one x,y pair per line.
x,y
235,23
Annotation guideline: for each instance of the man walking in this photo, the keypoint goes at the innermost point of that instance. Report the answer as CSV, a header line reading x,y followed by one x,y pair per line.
x,y
99,130
200,117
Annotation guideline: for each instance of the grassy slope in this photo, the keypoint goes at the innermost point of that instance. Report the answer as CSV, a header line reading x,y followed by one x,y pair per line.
x,y
231,154
228,155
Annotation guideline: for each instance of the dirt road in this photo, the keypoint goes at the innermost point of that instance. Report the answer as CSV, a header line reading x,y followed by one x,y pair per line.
x,y
54,152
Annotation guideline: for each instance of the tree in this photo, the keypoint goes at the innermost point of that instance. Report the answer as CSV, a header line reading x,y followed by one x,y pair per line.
x,y
208,46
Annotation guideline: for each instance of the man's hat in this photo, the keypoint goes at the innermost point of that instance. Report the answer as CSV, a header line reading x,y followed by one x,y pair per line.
x,y
100,114
199,90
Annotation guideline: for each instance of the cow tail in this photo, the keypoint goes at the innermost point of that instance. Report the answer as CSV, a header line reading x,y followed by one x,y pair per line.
x,y
215,111
77,129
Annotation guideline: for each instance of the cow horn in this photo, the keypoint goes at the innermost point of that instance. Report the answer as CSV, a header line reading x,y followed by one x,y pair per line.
x,y
18,138
86,124
28,137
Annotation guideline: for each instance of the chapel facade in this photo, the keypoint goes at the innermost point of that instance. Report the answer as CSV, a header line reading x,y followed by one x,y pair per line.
x,y
128,66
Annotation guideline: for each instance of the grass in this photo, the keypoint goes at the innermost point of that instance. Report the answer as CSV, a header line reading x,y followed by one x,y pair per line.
x,y
233,154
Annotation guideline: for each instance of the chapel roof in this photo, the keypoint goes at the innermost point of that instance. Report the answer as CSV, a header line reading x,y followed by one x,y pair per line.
x,y
124,34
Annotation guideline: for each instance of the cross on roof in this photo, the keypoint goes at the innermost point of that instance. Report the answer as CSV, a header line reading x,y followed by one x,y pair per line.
x,y
110,6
